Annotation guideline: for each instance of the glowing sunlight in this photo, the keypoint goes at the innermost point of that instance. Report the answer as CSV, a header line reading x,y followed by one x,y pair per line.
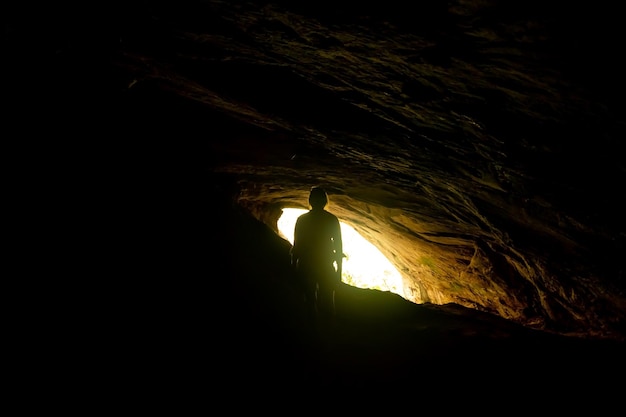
x,y
364,267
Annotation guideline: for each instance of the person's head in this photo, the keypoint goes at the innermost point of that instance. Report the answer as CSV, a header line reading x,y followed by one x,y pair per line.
x,y
318,198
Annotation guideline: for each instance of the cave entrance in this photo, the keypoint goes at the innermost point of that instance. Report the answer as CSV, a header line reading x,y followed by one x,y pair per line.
x,y
364,266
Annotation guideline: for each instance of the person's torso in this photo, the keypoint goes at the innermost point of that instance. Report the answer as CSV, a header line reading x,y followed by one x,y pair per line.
x,y
316,230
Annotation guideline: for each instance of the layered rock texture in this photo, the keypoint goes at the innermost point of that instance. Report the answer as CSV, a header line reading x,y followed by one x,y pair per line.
x,y
478,144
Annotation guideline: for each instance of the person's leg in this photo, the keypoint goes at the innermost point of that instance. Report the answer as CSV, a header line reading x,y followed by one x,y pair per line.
x,y
313,297
326,297
307,284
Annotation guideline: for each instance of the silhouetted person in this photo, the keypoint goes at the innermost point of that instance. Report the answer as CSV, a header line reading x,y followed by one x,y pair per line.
x,y
317,253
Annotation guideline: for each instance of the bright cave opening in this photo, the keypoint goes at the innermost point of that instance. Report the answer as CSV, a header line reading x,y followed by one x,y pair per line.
x,y
364,265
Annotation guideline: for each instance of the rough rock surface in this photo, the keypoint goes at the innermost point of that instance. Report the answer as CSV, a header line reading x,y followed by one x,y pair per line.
x,y
478,144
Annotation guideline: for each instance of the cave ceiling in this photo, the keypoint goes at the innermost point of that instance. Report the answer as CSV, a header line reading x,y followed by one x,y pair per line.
x,y
478,144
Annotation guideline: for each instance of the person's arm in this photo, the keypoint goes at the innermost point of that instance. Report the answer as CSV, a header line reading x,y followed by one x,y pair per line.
x,y
294,248
337,240
338,247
